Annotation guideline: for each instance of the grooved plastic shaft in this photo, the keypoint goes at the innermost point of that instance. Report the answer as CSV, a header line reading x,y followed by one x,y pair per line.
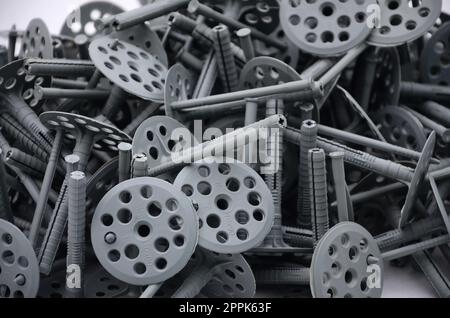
x,y
308,141
76,228
282,276
5,207
318,194
225,58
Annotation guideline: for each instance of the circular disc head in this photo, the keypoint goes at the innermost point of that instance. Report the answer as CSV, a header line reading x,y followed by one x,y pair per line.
x,y
104,179
418,179
235,206
101,284
386,89
339,267
435,60
15,81
151,227
82,20
266,71
129,67
158,137
180,85
53,286
401,128
143,37
233,279
325,28
37,41
19,270
404,21
106,137
261,15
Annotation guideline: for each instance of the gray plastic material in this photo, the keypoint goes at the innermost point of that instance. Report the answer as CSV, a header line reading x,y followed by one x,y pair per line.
x,y
144,231
386,87
105,137
225,58
129,67
340,267
143,37
180,85
418,179
101,284
433,66
19,275
235,206
158,137
81,21
401,128
404,21
218,276
139,166
37,41
101,182
325,28
266,71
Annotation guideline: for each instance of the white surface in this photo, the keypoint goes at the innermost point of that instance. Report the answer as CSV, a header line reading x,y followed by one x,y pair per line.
x,y
399,283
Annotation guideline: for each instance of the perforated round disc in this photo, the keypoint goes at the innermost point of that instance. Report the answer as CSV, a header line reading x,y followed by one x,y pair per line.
x,y
129,67
266,71
404,21
143,37
101,284
401,128
106,137
37,41
235,278
19,270
180,85
151,227
235,206
82,22
15,81
339,267
386,87
158,137
325,28
435,60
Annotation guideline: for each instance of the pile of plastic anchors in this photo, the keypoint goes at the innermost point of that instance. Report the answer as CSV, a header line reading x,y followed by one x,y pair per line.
x,y
226,149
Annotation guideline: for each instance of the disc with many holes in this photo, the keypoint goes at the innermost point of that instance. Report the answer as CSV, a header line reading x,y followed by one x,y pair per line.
x,y
233,279
37,41
325,28
129,67
151,227
82,20
339,267
158,137
435,60
235,206
105,137
15,81
53,286
19,270
101,284
261,15
266,71
401,128
386,87
143,37
180,85
403,21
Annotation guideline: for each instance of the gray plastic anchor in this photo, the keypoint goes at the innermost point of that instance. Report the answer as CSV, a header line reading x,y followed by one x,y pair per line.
x,y
218,276
144,231
19,277
347,264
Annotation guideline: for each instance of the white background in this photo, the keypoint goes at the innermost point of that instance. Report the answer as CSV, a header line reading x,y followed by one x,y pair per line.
x,y
398,282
